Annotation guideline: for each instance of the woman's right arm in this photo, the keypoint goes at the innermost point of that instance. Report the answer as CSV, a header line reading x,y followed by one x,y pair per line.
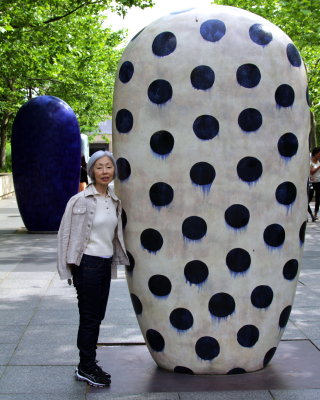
x,y
313,168
63,241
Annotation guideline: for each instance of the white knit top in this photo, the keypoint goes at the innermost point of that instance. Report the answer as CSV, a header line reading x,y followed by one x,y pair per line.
x,y
103,227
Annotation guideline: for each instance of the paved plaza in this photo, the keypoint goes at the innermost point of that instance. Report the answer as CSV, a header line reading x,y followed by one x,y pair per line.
x,y
39,319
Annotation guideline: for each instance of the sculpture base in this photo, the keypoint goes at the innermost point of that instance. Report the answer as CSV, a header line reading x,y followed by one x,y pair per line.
x,y
296,365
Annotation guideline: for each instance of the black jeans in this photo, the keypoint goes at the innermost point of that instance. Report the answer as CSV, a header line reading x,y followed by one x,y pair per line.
x,y
315,190
92,282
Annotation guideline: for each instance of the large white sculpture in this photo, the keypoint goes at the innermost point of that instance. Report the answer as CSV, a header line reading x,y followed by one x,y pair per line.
x,y
211,123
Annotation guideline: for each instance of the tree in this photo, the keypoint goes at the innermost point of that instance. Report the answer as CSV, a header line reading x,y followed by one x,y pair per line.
x,y
300,20
60,48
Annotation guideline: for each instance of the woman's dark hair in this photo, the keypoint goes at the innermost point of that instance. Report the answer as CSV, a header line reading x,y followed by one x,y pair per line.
x,y
315,151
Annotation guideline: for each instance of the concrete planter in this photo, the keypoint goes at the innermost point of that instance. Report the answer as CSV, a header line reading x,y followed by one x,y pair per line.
x,y
6,184
211,123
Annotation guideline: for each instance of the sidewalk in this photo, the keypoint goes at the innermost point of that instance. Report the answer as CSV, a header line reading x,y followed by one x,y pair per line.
x,y
38,327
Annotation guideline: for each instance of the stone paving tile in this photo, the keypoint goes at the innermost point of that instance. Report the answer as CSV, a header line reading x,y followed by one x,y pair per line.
x,y
56,303
56,316
120,334
94,394
2,368
316,343
307,394
23,294
46,354
305,314
15,316
292,332
11,333
40,380
14,283
228,395
43,396
6,352
310,328
46,335
7,264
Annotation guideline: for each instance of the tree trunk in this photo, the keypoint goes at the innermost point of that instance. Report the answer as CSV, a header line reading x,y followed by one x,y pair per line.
x,y
3,137
313,132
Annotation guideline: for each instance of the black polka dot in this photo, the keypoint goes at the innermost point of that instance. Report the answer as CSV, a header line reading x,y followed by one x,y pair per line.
x,y
183,370
155,340
260,34
160,91
151,240
181,319
126,71
212,30
237,216
293,55
206,127
124,169
159,285
124,219
248,75
238,260
124,121
274,235
290,269
249,169
286,193
284,317
202,77
202,174
196,272
137,305
262,296
161,194
250,120
207,348
284,96
288,144
236,371
302,232
221,305
268,356
164,44
130,267
194,228
162,143
248,335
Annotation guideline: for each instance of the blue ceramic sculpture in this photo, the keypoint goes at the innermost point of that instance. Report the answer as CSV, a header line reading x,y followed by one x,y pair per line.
x,y
46,150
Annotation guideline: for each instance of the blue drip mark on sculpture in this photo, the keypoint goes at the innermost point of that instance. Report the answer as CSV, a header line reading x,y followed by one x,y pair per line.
x,y
205,188
181,11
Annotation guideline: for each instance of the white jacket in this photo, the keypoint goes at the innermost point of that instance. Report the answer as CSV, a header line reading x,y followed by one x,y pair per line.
x,y
75,229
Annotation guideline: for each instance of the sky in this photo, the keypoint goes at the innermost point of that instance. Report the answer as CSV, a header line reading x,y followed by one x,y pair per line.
x,y
136,18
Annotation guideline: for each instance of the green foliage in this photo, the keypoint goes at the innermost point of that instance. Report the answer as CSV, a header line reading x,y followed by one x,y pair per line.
x,y
61,48
300,20
8,165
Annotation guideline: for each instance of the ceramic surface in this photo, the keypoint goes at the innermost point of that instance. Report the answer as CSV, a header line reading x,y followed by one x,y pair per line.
x,y
211,123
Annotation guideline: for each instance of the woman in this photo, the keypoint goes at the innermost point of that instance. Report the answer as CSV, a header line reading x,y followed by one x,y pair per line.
x,y
315,180
90,246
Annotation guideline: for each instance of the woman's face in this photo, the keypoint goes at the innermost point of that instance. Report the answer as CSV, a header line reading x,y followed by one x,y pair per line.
x,y
317,156
103,171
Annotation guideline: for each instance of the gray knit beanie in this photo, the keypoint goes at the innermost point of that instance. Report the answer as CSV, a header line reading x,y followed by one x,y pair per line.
x,y
96,156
